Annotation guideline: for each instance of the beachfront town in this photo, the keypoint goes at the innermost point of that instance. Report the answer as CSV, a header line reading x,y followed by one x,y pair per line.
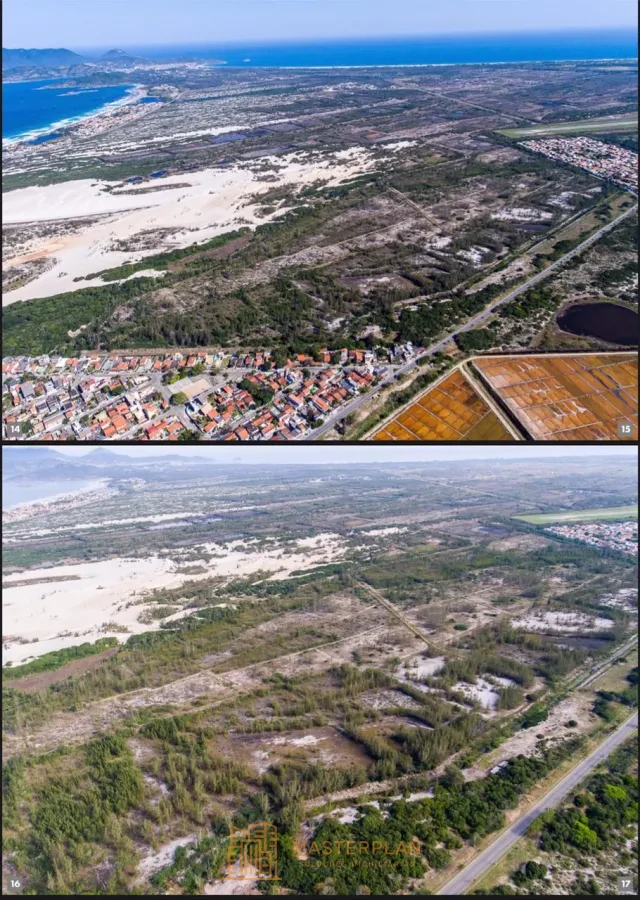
x,y
603,160
186,396
619,536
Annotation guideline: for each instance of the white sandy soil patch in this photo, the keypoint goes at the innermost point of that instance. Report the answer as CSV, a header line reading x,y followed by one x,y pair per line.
x,y
54,614
485,693
624,598
381,532
348,815
231,887
213,203
386,699
521,214
576,707
154,862
561,622
420,667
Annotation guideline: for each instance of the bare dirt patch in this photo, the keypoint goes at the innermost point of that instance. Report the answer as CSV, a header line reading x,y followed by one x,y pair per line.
x,y
324,745
32,683
577,707
527,542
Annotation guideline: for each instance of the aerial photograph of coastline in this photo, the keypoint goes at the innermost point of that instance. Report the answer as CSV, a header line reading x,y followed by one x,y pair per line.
x,y
337,220
343,670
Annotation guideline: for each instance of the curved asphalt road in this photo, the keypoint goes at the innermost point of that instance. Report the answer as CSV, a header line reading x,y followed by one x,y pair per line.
x,y
463,881
471,323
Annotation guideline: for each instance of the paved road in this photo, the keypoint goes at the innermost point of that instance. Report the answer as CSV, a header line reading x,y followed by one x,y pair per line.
x,y
471,323
463,881
586,679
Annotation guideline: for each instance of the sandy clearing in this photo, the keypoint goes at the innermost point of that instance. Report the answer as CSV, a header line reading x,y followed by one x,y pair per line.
x,y
561,622
153,862
482,691
381,532
216,201
521,214
577,707
419,667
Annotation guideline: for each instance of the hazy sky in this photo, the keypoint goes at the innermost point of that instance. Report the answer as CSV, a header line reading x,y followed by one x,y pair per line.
x,y
363,453
79,24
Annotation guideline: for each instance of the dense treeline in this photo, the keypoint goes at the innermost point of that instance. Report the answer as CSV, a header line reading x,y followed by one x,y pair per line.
x,y
606,804
546,660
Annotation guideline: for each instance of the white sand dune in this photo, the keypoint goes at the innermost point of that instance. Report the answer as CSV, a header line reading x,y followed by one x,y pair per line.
x,y
58,614
216,200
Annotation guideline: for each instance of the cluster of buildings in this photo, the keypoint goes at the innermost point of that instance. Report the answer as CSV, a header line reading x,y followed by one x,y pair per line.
x,y
604,160
221,396
620,536
297,405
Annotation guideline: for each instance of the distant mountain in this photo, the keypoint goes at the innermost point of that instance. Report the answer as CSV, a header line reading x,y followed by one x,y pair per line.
x,y
13,59
120,56
21,460
43,462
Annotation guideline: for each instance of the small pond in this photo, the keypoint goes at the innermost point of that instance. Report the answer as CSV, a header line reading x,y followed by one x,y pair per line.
x,y
606,321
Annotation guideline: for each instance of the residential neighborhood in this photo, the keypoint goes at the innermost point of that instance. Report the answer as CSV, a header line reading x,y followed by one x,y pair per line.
x,y
603,160
186,396
620,536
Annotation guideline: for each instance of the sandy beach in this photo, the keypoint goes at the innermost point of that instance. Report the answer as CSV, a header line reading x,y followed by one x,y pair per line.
x,y
215,201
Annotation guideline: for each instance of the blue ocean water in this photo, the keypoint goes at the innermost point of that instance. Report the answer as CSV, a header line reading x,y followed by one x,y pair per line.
x,y
431,50
28,110
18,492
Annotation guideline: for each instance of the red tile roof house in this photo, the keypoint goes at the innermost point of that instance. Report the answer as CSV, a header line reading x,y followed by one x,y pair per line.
x,y
320,404
119,423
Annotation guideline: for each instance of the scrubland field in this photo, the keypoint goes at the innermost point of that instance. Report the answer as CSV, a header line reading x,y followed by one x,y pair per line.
x,y
345,652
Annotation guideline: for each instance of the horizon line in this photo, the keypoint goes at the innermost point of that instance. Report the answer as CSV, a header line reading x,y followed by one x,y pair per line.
x,y
343,38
